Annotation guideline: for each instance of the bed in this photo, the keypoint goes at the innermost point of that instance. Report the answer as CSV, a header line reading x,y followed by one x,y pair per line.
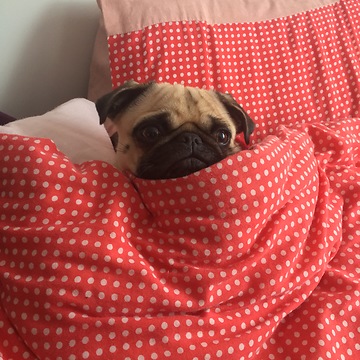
x,y
255,257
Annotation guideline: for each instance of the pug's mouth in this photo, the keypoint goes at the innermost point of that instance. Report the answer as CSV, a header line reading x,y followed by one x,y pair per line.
x,y
176,169
185,167
180,157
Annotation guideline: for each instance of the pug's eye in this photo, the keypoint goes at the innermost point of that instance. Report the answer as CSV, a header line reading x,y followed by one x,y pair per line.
x,y
150,133
222,136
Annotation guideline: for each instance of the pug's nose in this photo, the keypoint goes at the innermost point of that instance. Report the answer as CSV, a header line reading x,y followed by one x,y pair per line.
x,y
190,139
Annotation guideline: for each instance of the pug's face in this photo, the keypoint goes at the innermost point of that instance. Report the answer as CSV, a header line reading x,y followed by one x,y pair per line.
x,y
168,131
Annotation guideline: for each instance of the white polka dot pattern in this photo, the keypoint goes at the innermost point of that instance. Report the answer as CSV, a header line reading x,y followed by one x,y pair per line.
x,y
301,68
255,257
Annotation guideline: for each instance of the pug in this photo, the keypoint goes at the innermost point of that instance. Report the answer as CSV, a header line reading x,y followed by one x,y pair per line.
x,y
167,131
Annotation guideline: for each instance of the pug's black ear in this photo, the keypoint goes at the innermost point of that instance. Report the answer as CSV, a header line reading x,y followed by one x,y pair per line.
x,y
241,119
118,100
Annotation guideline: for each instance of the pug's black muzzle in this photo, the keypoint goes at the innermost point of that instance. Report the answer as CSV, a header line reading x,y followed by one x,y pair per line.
x,y
185,154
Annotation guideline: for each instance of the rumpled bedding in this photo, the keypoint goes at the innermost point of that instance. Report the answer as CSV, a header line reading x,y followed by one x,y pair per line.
x,y
256,257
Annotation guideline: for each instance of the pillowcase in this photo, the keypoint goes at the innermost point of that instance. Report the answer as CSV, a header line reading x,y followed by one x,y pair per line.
x,y
282,70
119,17
73,126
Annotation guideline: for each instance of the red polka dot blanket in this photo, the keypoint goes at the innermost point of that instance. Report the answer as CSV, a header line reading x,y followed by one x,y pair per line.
x,y
256,257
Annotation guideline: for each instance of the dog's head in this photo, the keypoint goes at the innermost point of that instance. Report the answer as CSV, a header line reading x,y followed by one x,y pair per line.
x,y
167,131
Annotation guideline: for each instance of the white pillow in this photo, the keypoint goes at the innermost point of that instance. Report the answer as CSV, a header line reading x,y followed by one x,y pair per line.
x,y
73,126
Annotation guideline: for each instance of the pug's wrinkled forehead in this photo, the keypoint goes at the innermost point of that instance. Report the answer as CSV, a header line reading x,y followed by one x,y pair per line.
x,y
177,105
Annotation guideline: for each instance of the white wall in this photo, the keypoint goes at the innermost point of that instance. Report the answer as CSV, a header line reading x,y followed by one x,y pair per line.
x,y
45,52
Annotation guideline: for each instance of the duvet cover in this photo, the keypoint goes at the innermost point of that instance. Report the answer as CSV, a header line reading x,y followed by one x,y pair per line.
x,y
241,259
